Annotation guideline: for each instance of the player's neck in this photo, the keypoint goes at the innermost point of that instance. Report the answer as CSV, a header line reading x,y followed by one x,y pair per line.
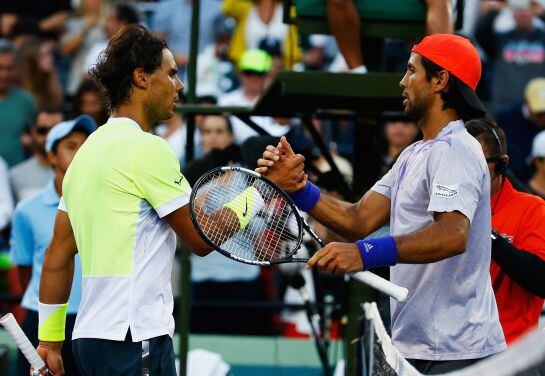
x,y
435,120
136,113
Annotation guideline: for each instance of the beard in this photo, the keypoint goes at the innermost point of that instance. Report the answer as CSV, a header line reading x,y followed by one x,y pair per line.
x,y
418,108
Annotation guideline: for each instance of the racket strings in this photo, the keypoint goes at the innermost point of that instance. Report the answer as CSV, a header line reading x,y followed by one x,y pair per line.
x,y
271,234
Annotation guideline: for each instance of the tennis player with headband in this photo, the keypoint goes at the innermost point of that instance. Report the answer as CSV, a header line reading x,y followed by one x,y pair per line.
x,y
518,254
436,198
124,199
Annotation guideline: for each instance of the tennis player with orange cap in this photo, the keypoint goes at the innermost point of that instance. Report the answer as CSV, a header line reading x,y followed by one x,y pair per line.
x,y
436,199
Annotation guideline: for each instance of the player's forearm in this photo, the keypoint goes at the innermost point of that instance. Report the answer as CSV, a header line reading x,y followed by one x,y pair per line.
x,y
353,221
336,215
433,243
56,279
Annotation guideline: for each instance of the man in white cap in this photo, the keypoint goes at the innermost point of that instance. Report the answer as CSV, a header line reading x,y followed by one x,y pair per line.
x,y
32,229
537,182
521,123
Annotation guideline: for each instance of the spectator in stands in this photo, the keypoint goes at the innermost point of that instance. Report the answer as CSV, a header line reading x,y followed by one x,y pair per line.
x,y
518,250
16,106
217,144
254,65
83,32
31,175
517,55
521,123
37,73
215,277
118,17
173,130
537,182
172,22
23,30
399,132
32,231
257,20
50,16
217,74
89,101
273,47
344,21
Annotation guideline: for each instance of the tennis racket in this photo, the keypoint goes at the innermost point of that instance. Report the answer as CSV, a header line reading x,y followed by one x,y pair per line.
x,y
248,218
22,342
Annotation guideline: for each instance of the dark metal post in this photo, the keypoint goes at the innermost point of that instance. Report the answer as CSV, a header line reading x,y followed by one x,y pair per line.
x,y
183,319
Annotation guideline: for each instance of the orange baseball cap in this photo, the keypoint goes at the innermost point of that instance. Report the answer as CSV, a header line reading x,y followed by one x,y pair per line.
x,y
457,56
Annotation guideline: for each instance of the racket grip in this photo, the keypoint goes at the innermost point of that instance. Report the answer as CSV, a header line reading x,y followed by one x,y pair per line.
x,y
399,293
21,340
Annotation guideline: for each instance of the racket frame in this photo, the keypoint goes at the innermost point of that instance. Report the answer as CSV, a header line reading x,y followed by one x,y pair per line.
x,y
301,224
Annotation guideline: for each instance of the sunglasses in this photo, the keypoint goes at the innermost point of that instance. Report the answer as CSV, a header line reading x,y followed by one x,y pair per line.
x,y
253,73
42,130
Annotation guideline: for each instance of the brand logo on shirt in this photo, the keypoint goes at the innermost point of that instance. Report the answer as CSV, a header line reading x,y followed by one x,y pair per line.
x,y
179,182
368,247
445,191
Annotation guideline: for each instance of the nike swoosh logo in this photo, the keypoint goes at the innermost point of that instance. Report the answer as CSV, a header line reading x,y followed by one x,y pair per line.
x,y
179,182
245,209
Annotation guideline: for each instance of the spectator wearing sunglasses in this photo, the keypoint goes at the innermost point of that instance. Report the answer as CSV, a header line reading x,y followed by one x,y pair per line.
x,y
254,67
30,176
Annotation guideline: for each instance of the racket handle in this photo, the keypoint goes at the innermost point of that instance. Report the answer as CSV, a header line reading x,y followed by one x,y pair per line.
x,y
399,293
21,340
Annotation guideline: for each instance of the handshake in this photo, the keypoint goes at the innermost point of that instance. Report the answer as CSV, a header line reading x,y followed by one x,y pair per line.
x,y
285,168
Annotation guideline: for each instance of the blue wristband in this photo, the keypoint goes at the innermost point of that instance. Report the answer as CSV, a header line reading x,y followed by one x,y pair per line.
x,y
378,252
306,198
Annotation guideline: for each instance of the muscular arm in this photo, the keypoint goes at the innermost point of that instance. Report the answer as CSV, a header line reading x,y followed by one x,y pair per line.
x,y
444,238
56,282
181,223
353,221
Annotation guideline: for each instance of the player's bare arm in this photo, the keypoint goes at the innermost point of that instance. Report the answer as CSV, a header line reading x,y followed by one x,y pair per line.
x,y
352,221
56,282
445,238
180,222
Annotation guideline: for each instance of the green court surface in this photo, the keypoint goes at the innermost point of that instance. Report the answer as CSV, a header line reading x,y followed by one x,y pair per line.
x,y
247,355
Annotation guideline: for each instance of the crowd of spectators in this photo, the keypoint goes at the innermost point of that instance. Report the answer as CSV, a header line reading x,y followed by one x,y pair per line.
x,y
46,51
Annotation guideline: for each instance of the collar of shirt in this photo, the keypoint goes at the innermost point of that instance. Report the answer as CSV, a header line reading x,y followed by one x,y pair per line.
x,y
49,194
502,197
123,120
452,127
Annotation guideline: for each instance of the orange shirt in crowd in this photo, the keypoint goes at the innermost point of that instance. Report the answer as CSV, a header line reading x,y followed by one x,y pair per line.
x,y
521,218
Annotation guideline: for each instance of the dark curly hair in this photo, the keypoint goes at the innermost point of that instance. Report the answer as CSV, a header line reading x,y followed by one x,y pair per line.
x,y
132,47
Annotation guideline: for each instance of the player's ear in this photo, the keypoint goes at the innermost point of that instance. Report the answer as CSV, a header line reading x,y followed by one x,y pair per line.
x,y
441,81
140,78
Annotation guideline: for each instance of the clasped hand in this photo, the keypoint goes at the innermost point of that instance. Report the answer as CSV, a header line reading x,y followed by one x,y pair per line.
x,y
283,166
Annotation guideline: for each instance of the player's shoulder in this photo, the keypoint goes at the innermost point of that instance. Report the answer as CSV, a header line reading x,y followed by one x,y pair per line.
x,y
151,146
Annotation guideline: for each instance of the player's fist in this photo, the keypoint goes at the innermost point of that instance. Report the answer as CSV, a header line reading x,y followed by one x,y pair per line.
x,y
283,167
50,352
337,258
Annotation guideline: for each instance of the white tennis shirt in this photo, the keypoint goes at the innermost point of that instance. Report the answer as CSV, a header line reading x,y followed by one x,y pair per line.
x,y
451,311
